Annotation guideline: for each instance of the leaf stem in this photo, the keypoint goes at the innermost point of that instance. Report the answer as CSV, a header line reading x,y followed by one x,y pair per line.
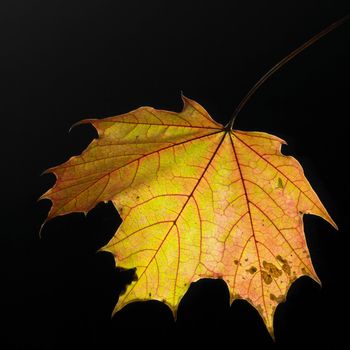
x,y
280,64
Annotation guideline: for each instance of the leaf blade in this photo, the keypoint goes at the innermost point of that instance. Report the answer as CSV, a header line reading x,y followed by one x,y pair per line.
x,y
196,201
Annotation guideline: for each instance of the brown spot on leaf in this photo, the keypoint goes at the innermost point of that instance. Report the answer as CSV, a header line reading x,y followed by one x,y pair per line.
x,y
285,265
280,259
252,269
235,261
278,299
304,271
286,268
280,183
272,269
266,277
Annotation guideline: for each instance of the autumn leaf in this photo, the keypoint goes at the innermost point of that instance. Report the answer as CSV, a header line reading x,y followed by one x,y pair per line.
x,y
197,200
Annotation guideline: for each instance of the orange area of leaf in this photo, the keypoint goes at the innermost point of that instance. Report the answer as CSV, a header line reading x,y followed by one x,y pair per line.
x,y
197,201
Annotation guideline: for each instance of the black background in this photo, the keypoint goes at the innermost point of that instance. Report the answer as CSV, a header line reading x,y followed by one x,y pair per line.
x,y
63,61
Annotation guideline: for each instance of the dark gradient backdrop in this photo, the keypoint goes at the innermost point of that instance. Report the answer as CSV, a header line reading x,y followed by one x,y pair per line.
x,y
63,61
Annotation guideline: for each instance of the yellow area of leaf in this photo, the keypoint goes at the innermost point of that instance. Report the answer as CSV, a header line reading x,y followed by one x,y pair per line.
x,y
197,201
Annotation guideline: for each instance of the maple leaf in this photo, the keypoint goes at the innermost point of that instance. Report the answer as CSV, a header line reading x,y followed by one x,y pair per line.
x,y
197,200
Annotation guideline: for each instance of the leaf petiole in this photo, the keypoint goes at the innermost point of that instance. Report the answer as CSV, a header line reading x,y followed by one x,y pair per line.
x,y
267,75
